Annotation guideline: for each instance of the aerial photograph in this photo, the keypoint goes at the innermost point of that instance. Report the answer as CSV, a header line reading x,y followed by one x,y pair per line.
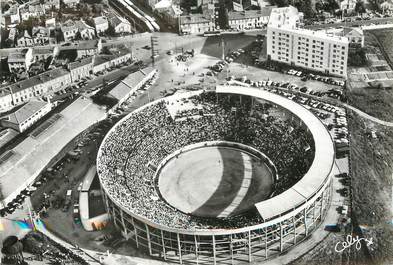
x,y
197,132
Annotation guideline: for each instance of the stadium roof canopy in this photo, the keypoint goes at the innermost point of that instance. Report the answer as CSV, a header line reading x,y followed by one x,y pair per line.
x,y
319,172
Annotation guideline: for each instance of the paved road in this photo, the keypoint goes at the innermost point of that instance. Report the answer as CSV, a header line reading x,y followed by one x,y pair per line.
x,y
367,116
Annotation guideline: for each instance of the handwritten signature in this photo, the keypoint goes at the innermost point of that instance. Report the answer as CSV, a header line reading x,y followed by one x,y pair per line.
x,y
341,246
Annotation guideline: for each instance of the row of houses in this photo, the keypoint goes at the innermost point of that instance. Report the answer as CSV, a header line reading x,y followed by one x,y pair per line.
x,y
20,62
118,23
34,9
237,21
70,29
26,116
57,79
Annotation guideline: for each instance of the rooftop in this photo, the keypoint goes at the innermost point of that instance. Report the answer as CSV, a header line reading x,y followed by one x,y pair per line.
x,y
26,111
102,58
100,20
80,63
16,57
129,83
285,16
264,12
42,51
33,81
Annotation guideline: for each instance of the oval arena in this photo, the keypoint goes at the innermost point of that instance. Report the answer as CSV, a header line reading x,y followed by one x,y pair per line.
x,y
232,175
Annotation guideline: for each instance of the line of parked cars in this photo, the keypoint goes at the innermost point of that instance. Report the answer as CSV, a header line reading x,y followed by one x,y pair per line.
x,y
307,76
232,56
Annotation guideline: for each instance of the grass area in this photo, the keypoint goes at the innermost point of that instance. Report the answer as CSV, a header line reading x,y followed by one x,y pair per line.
x,y
384,38
374,101
372,180
323,253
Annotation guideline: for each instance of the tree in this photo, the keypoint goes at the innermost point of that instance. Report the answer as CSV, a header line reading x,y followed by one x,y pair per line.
x,y
305,6
280,3
111,31
359,7
357,57
12,249
330,6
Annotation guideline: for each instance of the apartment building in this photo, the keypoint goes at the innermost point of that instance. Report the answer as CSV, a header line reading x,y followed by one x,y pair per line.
x,y
288,43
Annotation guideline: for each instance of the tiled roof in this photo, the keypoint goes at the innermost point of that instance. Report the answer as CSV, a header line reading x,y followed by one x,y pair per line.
x,y
35,80
26,111
80,63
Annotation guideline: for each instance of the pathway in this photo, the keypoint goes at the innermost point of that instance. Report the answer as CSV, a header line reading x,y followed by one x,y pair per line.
x,y
367,116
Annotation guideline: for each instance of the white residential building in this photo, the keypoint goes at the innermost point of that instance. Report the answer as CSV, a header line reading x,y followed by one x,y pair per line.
x,y
69,30
50,23
314,50
196,24
101,24
251,19
71,3
348,6
81,68
120,24
20,61
169,12
355,35
387,6
14,15
36,86
24,39
87,32
51,4
29,11
26,116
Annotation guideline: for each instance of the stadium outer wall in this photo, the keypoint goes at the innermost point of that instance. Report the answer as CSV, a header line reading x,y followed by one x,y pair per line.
x,y
218,246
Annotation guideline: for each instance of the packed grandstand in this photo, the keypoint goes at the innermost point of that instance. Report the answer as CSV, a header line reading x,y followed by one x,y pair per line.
x,y
152,133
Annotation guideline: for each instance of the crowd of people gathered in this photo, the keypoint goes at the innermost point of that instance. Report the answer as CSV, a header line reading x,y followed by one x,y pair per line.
x,y
151,134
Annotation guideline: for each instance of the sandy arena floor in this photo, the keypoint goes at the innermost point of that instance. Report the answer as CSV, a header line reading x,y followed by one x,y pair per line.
x,y
215,181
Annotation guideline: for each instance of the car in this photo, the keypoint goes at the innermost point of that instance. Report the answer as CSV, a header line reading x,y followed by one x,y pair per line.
x,y
303,89
240,50
170,52
146,47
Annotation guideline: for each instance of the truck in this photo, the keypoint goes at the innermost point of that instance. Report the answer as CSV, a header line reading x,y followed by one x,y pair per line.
x,y
68,201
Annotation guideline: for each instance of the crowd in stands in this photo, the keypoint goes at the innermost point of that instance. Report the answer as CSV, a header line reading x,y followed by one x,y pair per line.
x,y
152,133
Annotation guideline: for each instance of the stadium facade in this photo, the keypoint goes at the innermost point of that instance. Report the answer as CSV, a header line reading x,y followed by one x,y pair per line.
x,y
288,218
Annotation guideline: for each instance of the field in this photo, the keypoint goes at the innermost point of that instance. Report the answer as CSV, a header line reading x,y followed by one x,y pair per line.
x,y
371,160
374,101
385,38
371,181
215,181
